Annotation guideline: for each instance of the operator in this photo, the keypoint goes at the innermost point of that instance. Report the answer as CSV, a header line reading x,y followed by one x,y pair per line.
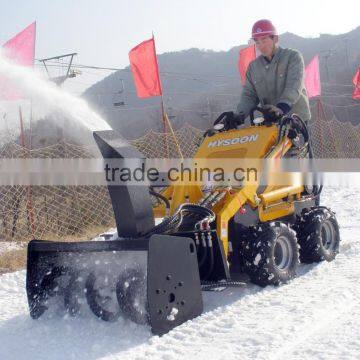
x,y
275,79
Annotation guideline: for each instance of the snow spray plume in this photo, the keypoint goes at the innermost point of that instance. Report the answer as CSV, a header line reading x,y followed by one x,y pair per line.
x,y
63,109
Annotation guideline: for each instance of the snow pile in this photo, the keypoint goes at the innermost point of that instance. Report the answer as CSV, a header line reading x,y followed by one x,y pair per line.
x,y
315,316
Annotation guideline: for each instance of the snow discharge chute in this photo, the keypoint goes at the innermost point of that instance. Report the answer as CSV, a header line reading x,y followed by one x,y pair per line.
x,y
152,279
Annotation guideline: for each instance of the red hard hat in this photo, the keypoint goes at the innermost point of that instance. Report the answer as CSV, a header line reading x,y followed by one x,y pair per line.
x,y
262,28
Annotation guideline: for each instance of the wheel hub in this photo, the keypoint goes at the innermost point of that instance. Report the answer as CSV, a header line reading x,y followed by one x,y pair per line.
x,y
283,255
327,236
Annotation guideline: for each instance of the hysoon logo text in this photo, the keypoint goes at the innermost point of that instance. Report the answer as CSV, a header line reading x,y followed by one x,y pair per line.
x,y
233,141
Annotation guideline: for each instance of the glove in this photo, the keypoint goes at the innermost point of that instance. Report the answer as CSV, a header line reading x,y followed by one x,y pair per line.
x,y
233,120
230,120
284,107
240,118
272,113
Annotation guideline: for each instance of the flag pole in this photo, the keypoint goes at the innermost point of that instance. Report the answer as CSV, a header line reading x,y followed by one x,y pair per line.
x,y
319,120
29,205
22,135
161,91
30,124
166,121
163,114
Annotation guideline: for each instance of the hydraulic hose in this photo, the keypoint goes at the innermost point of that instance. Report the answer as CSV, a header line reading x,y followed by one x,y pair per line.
x,y
192,213
160,197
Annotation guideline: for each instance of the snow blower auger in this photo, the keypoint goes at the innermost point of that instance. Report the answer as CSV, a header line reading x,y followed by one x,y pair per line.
x,y
147,275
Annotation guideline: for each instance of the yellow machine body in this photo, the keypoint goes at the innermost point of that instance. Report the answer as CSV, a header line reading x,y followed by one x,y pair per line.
x,y
241,145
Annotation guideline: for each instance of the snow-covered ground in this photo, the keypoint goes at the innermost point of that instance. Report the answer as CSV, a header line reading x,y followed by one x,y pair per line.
x,y
316,316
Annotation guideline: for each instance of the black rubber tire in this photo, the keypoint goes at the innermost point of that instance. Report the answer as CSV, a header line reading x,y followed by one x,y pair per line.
x,y
314,226
261,254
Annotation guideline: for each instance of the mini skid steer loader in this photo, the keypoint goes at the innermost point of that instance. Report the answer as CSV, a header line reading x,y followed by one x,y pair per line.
x,y
155,274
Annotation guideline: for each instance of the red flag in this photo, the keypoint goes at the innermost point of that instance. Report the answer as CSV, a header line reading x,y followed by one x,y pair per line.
x,y
356,82
144,67
20,50
246,56
312,78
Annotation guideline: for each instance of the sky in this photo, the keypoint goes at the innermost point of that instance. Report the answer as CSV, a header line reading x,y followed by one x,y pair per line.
x,y
103,32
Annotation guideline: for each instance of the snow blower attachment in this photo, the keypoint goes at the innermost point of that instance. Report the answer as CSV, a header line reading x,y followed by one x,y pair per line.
x,y
148,277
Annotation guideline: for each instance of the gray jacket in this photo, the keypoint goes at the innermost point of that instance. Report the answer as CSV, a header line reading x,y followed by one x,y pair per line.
x,y
278,81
